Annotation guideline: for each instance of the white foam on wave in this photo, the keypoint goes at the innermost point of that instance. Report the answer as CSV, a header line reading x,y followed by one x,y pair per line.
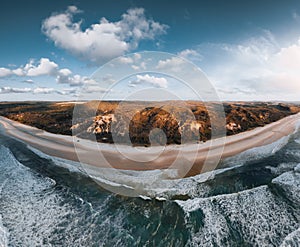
x,y
290,183
293,239
195,186
259,217
38,214
297,168
4,234
72,166
255,215
152,183
297,141
282,167
256,153
296,132
28,213
160,183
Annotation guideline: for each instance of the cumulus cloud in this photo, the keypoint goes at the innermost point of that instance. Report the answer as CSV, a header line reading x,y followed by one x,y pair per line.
x,y
65,72
173,64
74,80
5,72
159,82
4,90
37,90
125,60
104,40
258,68
141,65
48,68
43,90
134,61
43,67
190,54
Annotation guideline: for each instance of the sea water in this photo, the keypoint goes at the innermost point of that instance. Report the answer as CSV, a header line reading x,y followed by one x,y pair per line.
x,y
251,200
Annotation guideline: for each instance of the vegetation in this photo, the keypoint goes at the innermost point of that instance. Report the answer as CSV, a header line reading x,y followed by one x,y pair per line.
x,y
110,121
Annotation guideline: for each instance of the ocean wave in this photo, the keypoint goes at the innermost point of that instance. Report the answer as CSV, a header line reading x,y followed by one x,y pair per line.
x,y
259,216
282,167
160,183
293,239
28,210
70,165
251,217
4,234
256,153
289,182
38,211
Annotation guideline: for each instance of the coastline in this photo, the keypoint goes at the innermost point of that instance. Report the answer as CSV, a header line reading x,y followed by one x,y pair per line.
x,y
62,146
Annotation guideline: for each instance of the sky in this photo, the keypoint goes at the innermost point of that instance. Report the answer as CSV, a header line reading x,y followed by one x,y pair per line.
x,y
50,50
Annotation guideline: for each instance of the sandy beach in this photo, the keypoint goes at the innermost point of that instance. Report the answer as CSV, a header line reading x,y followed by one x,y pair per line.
x,y
129,158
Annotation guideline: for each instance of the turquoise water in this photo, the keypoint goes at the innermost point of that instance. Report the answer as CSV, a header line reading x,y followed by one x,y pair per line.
x,y
252,200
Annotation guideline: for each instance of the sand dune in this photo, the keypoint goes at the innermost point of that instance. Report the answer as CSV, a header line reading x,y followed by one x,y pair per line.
x,y
196,158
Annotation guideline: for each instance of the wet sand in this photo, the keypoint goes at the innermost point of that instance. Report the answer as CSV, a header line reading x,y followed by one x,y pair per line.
x,y
201,157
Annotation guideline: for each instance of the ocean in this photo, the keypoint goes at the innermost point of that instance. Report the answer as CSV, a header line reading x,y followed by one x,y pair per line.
x,y
251,200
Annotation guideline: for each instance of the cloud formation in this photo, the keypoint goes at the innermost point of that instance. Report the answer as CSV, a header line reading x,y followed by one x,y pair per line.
x,y
74,80
159,82
173,64
190,54
45,67
5,72
258,68
104,40
37,90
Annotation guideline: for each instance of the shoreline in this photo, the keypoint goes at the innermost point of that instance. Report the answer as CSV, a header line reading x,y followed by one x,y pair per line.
x,y
207,154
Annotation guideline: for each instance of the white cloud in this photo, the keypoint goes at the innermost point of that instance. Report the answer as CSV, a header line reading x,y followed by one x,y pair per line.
x,y
288,58
5,72
173,64
134,60
104,40
19,72
141,65
43,90
125,60
43,67
64,72
29,81
37,90
258,69
4,90
137,56
49,68
64,77
190,54
160,82
94,89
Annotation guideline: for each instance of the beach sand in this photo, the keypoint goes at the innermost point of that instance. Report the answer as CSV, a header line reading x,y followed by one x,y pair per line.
x,y
200,157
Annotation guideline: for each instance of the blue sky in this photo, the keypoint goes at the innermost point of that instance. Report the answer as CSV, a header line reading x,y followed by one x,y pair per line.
x,y
249,50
